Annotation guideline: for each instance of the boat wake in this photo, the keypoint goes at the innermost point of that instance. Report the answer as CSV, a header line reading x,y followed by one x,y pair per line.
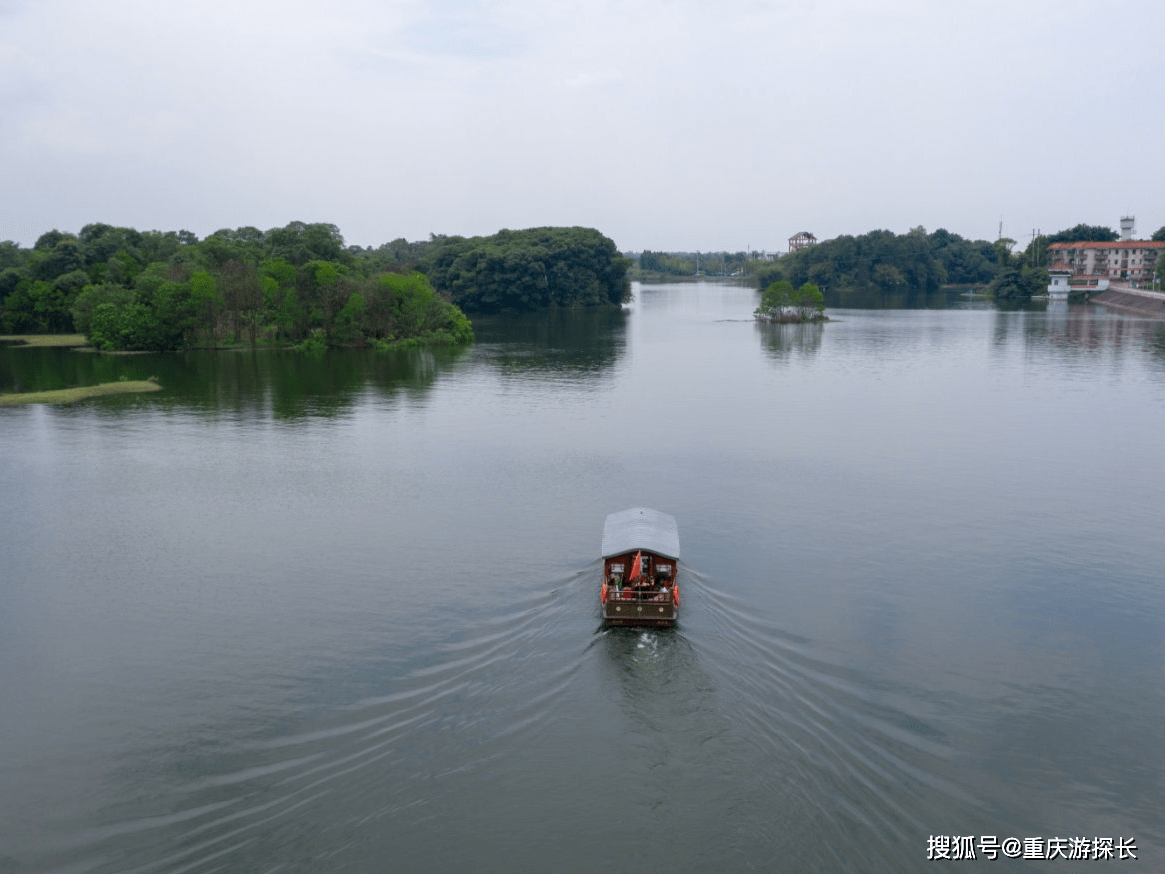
x,y
727,733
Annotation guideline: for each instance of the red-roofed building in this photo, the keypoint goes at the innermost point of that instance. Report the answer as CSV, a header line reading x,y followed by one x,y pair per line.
x,y
1132,261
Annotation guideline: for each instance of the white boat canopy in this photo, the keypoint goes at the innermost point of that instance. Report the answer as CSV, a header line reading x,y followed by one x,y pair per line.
x,y
641,528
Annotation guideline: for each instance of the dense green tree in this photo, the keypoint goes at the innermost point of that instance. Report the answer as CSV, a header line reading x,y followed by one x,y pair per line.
x,y
416,308
123,267
93,296
1003,247
164,246
299,243
11,255
158,318
220,248
37,306
809,302
106,326
775,298
1018,282
10,277
207,303
1158,235
1085,233
529,270
962,261
175,309
281,271
101,242
880,260
241,286
418,311
49,240
54,307
398,256
780,301
19,313
62,257
66,288
350,320
155,290
280,300
887,276
324,289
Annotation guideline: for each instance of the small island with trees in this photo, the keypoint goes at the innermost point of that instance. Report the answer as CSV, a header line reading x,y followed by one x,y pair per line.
x,y
782,303
534,269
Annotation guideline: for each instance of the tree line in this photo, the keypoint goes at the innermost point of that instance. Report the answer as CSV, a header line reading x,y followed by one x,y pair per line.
x,y
300,284
538,268
693,263
152,290
919,262
887,261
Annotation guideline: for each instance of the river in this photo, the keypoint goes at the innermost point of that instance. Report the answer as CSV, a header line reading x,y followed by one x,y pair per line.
x,y
341,613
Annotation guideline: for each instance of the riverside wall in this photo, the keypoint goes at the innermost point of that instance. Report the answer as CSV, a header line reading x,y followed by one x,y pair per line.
x,y
1135,300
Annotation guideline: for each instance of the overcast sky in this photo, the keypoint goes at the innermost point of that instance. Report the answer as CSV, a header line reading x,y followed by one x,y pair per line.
x,y
668,125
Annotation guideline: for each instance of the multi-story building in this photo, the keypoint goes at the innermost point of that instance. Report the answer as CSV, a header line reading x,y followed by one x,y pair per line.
x,y
1132,261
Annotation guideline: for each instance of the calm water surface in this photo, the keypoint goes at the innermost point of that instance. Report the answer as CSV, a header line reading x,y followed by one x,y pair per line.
x,y
340,614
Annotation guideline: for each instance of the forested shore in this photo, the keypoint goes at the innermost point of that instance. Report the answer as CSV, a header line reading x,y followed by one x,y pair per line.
x,y
300,285
297,285
917,262
126,289
890,263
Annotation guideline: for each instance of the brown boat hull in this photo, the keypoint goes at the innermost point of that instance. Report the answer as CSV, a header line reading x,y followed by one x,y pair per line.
x,y
628,613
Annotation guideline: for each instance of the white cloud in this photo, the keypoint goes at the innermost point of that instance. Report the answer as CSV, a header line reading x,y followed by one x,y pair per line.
x,y
664,124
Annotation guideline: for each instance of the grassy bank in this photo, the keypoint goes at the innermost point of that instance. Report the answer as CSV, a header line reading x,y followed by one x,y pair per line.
x,y
43,339
70,395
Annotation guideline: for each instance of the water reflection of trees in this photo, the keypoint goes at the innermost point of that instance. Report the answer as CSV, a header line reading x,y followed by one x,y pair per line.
x,y
563,345
48,368
1082,333
281,383
292,385
876,298
783,342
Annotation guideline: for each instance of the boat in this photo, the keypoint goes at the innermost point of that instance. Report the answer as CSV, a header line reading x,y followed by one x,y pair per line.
x,y
641,557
